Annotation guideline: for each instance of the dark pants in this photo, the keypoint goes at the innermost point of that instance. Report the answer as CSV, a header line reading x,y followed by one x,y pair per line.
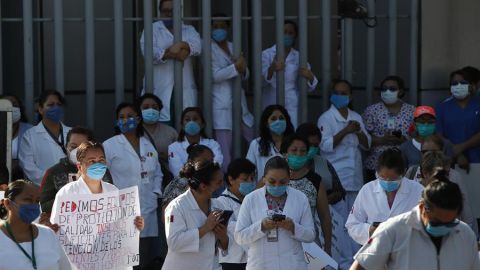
x,y
234,266
149,260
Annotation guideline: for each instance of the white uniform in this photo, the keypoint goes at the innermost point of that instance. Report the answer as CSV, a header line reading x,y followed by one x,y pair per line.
x,y
371,206
401,243
186,250
287,252
254,156
163,79
236,253
129,169
38,151
292,65
224,73
178,156
49,254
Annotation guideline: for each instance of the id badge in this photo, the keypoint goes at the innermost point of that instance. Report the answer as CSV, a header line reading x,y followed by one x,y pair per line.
x,y
391,123
144,177
272,235
72,177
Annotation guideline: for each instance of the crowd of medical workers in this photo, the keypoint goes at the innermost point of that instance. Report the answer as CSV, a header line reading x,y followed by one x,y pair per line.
x,y
373,190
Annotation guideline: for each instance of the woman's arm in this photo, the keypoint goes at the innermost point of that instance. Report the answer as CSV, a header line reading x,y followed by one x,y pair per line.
x,y
325,219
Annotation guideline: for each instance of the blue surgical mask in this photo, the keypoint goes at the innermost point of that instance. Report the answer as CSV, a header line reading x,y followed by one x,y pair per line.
x,y
127,126
28,212
219,34
55,113
297,162
288,40
96,171
459,91
278,126
339,101
276,191
389,96
246,187
192,128
312,152
150,116
437,231
168,23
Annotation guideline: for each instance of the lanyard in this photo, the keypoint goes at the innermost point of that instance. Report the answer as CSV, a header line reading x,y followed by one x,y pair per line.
x,y
232,198
31,258
60,143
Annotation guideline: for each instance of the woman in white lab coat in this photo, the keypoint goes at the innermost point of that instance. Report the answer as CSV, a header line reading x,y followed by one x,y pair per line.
x,y
193,221
133,161
225,69
44,145
193,132
274,221
391,194
165,53
275,124
293,71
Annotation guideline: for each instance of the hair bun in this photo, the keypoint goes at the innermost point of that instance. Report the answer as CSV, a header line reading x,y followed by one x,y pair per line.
x,y
442,175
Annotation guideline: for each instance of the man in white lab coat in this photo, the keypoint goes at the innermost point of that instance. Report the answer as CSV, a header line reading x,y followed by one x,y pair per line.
x,y
165,53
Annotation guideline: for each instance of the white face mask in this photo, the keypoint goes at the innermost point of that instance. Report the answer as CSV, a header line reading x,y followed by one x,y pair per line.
x,y
16,114
389,97
459,91
73,156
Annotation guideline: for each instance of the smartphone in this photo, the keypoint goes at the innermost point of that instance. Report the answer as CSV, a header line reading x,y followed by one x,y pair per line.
x,y
376,223
278,217
226,216
397,133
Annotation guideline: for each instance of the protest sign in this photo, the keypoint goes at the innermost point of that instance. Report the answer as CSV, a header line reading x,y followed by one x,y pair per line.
x,y
317,258
97,231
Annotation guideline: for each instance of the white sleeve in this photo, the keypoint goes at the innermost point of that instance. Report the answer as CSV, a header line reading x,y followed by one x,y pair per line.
x,y
175,162
26,157
364,130
159,47
327,130
179,237
266,62
375,253
314,83
305,229
217,151
252,155
220,72
247,231
194,41
356,224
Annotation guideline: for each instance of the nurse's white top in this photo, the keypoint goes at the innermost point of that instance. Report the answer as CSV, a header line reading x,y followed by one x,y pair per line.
x,y
186,250
178,156
254,156
287,252
345,157
401,243
38,151
49,254
371,205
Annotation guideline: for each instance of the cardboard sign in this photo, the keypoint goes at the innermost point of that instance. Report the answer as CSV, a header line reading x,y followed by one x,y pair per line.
x,y
317,258
97,231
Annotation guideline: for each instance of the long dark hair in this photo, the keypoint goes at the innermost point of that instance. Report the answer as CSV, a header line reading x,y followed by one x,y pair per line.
x,y
139,132
199,172
181,135
443,194
265,134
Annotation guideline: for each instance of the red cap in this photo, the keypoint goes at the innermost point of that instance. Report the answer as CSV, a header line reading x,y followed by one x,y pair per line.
x,y
421,110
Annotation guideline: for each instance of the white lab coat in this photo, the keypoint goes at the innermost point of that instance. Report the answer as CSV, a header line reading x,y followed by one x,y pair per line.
x,y
401,243
224,74
236,252
178,156
254,156
287,253
371,206
292,89
186,250
346,157
38,151
126,169
163,71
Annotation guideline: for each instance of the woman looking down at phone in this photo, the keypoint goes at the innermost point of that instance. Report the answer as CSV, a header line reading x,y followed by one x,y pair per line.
x,y
274,221
192,225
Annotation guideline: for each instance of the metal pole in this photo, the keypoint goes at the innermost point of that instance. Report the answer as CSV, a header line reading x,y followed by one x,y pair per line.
x,y
279,21
90,61
148,50
207,64
59,52
237,84
392,37
370,54
326,51
28,56
118,45
178,66
257,61
303,39
414,52
347,49
1,54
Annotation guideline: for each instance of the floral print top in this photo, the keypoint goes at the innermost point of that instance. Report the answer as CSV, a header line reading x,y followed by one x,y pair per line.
x,y
379,122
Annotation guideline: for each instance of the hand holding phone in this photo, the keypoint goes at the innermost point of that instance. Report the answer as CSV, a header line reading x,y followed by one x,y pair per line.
x,y
226,214
278,217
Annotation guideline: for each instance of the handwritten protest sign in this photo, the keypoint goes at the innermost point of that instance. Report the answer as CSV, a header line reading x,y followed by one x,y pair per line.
x,y
317,258
97,231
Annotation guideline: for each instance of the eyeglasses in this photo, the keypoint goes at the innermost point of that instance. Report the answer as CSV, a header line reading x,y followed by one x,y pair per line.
x,y
459,82
391,88
446,224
